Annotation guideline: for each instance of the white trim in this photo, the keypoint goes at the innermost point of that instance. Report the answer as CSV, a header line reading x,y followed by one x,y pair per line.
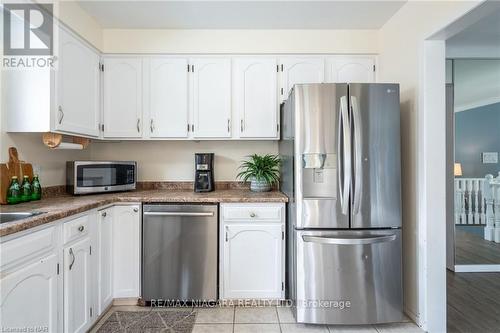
x,y
483,102
431,150
476,268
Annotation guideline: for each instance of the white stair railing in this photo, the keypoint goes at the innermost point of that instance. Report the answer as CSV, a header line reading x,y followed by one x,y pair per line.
x,y
470,207
477,202
492,199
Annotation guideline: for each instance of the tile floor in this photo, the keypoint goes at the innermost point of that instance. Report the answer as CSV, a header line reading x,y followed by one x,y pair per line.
x,y
270,319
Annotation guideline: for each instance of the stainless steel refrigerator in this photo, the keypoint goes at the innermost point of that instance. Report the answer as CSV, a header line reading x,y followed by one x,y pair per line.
x,y
340,148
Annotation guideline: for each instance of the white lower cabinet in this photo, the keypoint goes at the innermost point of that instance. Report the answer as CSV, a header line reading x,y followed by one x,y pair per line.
x,y
30,281
105,260
29,296
78,302
126,251
252,251
62,277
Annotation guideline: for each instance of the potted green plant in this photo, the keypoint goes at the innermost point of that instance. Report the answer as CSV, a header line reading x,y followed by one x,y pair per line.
x,y
262,171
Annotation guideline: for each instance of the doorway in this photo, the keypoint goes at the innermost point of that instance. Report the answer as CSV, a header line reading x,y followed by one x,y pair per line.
x,y
473,181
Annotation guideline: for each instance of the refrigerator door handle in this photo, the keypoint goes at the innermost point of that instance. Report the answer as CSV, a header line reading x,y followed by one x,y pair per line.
x,y
345,158
358,166
349,241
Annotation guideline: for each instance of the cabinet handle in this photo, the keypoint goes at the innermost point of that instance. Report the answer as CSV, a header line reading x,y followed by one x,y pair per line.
x,y
241,125
252,214
152,126
226,234
81,228
72,258
136,210
229,125
192,128
138,125
61,114
104,214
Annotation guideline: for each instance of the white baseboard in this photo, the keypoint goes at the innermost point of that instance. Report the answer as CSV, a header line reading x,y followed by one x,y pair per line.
x,y
476,268
125,301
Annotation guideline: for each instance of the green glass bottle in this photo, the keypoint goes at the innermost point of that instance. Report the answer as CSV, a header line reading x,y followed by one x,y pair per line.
x,y
14,192
36,189
26,189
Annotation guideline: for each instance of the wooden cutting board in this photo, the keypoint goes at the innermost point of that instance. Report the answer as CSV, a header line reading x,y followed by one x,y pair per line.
x,y
14,167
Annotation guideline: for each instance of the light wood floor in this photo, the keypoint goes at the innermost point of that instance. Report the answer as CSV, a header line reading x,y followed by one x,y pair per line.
x,y
471,248
473,302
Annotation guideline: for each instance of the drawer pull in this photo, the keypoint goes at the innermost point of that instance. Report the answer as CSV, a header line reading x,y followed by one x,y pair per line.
x,y
81,228
252,214
72,258
104,214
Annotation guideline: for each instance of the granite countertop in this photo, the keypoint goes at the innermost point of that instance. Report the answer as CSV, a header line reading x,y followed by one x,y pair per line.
x,y
66,205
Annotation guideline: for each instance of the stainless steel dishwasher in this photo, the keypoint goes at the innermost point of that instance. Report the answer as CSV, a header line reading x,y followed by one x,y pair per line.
x,y
179,252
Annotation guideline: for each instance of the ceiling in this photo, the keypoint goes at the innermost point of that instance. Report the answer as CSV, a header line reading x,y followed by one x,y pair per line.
x,y
484,33
263,14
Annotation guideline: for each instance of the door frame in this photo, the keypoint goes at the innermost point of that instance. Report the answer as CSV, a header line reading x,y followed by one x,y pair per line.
x,y
432,166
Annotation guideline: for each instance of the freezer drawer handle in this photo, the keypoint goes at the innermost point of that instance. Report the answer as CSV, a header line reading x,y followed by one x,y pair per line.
x,y
179,213
349,241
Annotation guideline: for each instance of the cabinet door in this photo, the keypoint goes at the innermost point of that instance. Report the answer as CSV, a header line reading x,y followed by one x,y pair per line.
x,y
77,87
211,98
29,296
126,251
300,70
255,90
122,97
105,260
168,98
252,259
77,287
350,69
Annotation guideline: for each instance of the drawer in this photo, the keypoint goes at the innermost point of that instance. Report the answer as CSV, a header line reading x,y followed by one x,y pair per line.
x,y
258,212
76,228
34,245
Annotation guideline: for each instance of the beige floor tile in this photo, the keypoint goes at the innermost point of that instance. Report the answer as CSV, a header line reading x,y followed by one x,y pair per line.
x,y
398,328
218,315
212,328
303,328
264,315
352,329
285,315
257,328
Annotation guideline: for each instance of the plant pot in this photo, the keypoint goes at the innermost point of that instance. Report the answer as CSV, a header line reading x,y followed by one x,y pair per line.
x,y
259,185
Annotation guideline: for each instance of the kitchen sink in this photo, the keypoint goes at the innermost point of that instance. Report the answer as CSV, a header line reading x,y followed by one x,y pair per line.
x,y
9,217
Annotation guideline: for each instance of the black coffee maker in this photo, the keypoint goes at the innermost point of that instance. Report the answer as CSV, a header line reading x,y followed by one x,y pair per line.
x,y
204,172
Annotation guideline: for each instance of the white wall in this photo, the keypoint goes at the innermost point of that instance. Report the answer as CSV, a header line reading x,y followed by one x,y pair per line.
x,y
401,42
239,41
477,83
174,160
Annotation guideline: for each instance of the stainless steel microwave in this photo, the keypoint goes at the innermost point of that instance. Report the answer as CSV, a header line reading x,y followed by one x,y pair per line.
x,y
85,177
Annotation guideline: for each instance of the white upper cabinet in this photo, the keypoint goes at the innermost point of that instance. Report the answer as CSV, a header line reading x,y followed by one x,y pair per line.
x,y
298,70
122,97
255,97
166,86
211,97
77,87
350,69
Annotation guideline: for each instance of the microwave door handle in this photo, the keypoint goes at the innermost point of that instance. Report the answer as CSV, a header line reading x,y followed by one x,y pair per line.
x,y
345,159
349,241
358,166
